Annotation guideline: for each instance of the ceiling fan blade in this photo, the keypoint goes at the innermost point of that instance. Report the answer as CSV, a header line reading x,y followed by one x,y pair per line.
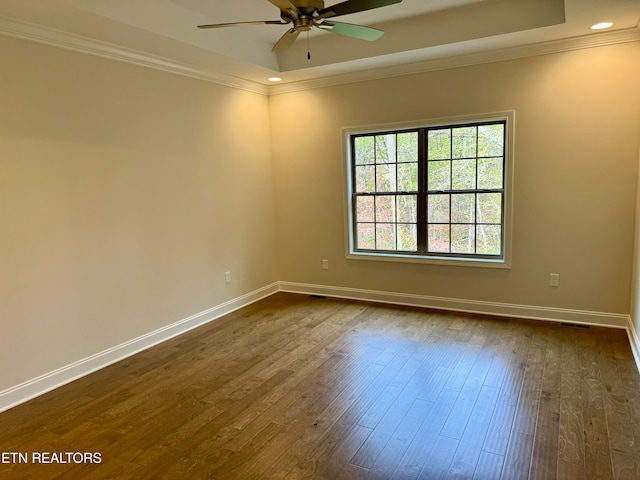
x,y
353,6
286,40
351,30
237,24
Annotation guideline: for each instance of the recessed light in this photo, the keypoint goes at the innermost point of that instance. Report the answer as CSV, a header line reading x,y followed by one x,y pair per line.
x,y
601,25
274,79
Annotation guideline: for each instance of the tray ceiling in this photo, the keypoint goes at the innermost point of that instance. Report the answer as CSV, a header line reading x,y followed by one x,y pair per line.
x,y
416,31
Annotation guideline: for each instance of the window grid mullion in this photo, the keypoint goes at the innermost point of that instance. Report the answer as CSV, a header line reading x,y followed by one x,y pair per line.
x,y
423,205
375,189
423,194
475,197
397,190
375,220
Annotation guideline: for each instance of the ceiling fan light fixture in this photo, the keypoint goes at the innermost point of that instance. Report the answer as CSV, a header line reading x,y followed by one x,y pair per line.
x,y
601,25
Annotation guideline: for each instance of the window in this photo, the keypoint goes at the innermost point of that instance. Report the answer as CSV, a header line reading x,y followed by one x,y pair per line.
x,y
436,192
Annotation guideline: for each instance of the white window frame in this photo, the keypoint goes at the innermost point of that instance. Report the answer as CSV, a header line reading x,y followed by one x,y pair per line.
x,y
504,262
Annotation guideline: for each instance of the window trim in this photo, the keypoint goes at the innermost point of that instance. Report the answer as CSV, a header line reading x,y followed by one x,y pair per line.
x,y
507,116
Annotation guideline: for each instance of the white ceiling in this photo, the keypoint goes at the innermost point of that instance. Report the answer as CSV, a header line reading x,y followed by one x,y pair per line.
x,y
163,33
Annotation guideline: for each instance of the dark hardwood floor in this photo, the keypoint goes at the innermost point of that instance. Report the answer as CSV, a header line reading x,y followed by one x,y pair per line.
x,y
295,387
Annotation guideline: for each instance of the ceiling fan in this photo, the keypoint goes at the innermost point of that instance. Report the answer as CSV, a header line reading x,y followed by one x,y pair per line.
x,y
306,14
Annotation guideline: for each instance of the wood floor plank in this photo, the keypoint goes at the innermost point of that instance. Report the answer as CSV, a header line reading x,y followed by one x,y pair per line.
x,y
393,451
518,459
571,453
438,462
630,386
380,406
480,419
287,409
530,390
426,437
327,457
298,387
620,431
501,347
517,362
499,431
461,413
596,441
489,466
329,426
469,450
544,461
462,368
370,451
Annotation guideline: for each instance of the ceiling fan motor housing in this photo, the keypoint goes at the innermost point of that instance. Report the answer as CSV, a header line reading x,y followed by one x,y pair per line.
x,y
307,8
308,4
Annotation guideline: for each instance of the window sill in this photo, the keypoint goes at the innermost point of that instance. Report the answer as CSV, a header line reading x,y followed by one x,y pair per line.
x,y
432,260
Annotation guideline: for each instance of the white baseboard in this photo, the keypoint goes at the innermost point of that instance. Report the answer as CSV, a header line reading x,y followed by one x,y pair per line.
x,y
18,394
582,317
470,306
634,341
33,388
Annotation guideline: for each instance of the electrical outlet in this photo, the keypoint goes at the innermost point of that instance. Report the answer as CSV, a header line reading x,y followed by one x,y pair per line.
x,y
325,264
554,279
227,277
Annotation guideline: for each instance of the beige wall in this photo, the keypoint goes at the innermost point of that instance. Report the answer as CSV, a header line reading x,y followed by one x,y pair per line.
x,y
635,284
125,194
576,165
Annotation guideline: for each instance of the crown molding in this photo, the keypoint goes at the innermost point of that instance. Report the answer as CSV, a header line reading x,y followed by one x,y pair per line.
x,y
49,36
490,56
57,38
